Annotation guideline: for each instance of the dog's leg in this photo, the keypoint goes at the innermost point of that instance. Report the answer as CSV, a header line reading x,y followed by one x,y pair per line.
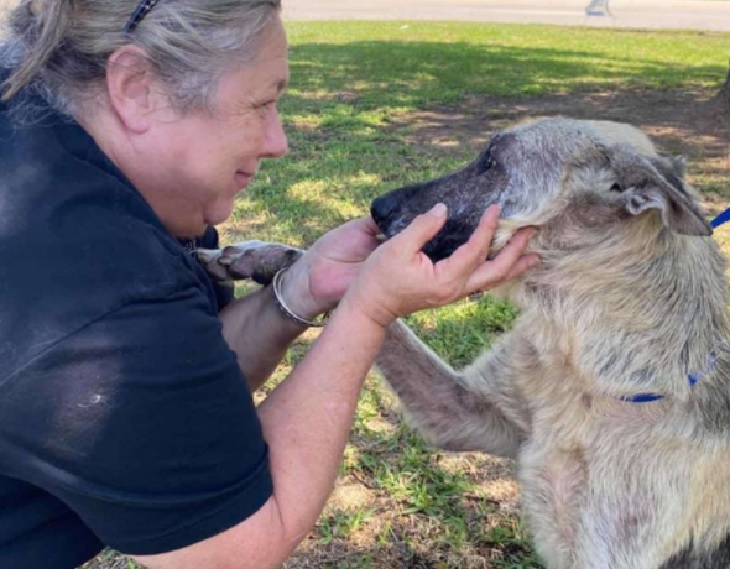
x,y
454,411
255,260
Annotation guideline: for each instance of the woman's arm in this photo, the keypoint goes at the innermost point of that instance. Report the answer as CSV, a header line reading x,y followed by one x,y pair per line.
x,y
256,329
307,418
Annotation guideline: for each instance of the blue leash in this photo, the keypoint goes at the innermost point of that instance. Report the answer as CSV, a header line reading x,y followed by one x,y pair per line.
x,y
723,217
692,378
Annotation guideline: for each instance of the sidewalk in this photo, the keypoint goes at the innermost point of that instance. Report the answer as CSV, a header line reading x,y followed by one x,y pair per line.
x,y
710,15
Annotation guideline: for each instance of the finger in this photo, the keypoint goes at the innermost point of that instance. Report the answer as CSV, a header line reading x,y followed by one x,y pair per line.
x,y
367,225
423,228
485,231
523,264
502,265
473,253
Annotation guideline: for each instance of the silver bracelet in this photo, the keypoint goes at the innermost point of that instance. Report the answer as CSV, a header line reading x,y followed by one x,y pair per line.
x,y
286,311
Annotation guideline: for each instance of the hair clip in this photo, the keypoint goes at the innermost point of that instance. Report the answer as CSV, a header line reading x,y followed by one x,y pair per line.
x,y
139,14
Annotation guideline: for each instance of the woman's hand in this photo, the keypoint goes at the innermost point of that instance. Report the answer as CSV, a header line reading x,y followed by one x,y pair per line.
x,y
399,279
317,281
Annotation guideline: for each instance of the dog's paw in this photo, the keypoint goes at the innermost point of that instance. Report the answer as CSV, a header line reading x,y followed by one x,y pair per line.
x,y
255,260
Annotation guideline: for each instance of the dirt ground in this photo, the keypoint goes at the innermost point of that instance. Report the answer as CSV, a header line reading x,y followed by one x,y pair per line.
x,y
679,124
678,121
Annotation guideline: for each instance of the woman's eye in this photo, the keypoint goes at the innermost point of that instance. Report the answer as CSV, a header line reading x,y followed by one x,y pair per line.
x,y
265,106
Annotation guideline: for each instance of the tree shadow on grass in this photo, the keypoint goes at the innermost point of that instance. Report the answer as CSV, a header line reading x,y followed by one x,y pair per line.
x,y
408,74
365,117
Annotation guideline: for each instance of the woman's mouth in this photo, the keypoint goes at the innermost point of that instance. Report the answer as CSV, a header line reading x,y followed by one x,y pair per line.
x,y
243,178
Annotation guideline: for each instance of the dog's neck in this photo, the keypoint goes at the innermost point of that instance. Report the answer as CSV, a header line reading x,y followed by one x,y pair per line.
x,y
629,318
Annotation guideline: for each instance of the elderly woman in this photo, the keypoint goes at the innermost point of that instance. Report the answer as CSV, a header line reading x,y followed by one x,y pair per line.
x,y
127,130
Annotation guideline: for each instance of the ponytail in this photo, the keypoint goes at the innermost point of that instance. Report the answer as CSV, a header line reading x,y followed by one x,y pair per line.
x,y
41,27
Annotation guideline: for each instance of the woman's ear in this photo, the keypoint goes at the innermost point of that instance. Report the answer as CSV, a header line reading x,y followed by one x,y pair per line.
x,y
132,87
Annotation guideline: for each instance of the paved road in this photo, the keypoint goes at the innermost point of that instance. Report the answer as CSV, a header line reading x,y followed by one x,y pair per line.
x,y
689,14
711,15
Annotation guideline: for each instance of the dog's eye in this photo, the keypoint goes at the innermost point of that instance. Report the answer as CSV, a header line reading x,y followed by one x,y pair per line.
x,y
617,188
485,162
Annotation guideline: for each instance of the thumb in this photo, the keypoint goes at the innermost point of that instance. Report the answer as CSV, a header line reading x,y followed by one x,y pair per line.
x,y
423,228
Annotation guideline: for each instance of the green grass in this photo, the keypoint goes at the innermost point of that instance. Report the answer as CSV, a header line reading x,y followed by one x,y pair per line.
x,y
350,81
403,65
353,88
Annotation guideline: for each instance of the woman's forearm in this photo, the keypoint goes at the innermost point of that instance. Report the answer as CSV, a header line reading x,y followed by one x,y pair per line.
x,y
306,421
307,418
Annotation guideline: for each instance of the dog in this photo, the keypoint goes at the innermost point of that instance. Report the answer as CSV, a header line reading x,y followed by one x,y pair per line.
x,y
612,389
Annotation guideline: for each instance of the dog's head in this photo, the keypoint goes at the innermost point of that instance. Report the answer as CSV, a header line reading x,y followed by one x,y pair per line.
x,y
595,172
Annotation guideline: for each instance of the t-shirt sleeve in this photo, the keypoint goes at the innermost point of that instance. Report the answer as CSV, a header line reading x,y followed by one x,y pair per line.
x,y
143,425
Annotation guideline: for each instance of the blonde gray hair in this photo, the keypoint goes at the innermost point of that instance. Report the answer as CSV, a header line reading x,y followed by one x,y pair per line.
x,y
59,49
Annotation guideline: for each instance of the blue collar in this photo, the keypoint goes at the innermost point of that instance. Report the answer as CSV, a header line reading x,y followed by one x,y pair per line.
x,y
694,377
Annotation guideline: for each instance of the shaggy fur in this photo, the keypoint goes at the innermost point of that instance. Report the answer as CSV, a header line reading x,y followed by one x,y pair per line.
x,y
629,299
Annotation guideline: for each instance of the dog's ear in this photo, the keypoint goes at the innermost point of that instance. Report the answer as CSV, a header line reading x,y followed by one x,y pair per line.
x,y
655,183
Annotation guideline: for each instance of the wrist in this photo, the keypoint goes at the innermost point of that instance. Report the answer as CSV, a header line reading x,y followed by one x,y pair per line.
x,y
382,318
290,291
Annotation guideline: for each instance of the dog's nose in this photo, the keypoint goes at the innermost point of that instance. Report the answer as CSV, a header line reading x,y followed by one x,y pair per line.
x,y
382,208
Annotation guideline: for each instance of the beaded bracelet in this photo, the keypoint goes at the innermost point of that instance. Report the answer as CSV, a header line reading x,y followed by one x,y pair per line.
x,y
288,312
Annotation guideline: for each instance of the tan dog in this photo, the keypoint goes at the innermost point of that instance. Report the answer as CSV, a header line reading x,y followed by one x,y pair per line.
x,y
623,463
612,390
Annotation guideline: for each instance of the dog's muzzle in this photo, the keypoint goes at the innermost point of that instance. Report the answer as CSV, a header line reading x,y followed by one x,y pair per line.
x,y
387,213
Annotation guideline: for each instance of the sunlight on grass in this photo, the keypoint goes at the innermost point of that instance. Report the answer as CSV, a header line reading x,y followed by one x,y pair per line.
x,y
347,90
453,333
439,61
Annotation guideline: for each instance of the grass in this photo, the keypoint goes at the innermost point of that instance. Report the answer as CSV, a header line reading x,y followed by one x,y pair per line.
x,y
351,81
353,88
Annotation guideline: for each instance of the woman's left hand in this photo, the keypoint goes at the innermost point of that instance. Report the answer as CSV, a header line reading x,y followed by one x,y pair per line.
x,y
317,281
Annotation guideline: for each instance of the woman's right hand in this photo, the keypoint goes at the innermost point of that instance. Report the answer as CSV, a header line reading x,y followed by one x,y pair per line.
x,y
399,279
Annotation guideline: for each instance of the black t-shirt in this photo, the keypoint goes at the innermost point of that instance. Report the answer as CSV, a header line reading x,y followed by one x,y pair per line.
x,y
124,419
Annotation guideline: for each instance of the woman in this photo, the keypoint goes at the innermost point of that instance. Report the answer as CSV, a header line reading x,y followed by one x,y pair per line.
x,y
127,131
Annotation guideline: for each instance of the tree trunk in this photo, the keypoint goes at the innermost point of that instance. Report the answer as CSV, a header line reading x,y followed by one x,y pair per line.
x,y
722,99
718,107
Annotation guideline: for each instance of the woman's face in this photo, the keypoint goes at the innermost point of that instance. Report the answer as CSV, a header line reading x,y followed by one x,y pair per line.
x,y
205,159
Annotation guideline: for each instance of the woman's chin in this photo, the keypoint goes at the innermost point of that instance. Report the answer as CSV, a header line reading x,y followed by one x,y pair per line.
x,y
220,213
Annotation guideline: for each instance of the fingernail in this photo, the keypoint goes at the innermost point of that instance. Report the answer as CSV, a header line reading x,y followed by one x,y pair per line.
x,y
439,210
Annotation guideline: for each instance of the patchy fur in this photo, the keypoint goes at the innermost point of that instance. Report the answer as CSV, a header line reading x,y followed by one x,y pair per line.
x,y
629,298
